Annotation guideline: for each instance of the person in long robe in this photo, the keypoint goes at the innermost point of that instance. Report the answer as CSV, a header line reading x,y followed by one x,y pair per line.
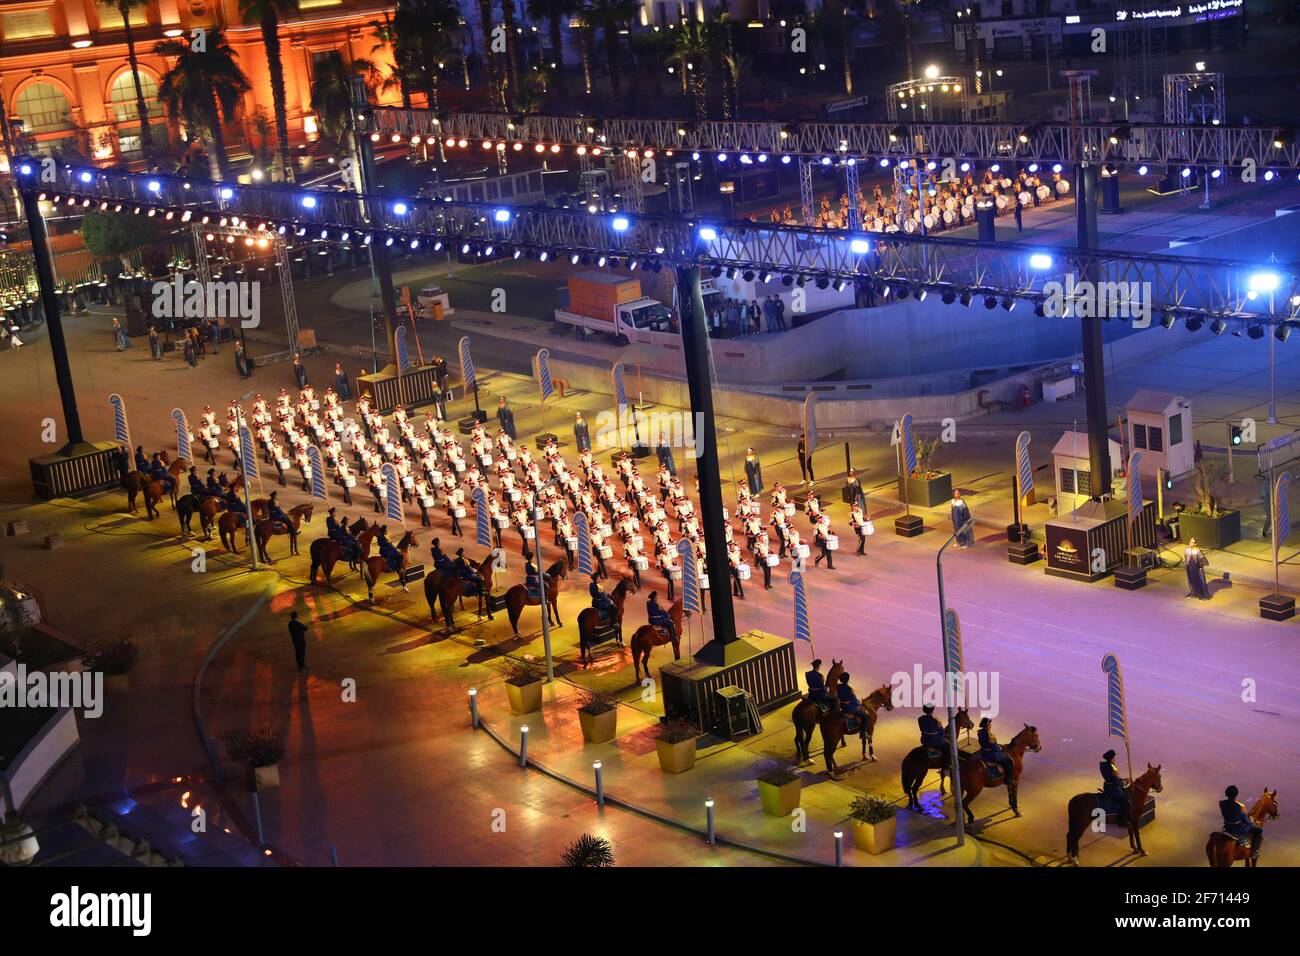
x,y
960,516
753,472
1195,561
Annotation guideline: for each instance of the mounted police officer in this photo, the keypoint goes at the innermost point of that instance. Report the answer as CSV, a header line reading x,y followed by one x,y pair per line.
x,y
1238,824
1114,789
332,527
197,488
602,602
392,557
932,735
849,702
533,581
158,471
991,751
658,617
816,682
468,573
276,513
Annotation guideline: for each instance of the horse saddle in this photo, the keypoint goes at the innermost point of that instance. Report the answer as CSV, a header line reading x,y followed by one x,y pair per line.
x,y
853,722
933,753
1241,839
471,585
993,770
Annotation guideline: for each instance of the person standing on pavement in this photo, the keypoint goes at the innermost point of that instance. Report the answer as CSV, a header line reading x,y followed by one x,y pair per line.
x,y
780,314
805,461
119,336
1019,212
299,371
341,384
155,344
753,473
214,330
961,521
298,634
506,417
664,453
241,361
581,433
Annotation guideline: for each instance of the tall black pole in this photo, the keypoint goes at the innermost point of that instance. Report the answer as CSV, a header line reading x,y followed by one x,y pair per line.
x,y
1094,363
370,187
725,647
50,302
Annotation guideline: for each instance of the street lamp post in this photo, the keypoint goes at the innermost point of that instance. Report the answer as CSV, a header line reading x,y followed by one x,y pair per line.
x,y
537,554
948,688
248,504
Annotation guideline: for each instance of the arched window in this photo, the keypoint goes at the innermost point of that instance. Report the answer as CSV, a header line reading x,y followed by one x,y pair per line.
x,y
122,95
43,108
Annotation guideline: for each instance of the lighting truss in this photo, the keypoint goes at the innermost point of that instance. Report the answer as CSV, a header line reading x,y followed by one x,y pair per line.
x,y
1162,144
1184,286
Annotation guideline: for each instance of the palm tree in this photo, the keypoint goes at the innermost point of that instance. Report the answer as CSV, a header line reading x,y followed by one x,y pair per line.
x,y
267,14
906,6
496,92
610,16
202,89
424,36
511,66
554,12
403,72
331,92
692,50
585,48
146,135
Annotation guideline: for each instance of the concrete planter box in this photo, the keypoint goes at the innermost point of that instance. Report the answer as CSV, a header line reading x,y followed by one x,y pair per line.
x,y
875,838
780,801
1210,532
526,699
675,758
266,778
599,728
928,492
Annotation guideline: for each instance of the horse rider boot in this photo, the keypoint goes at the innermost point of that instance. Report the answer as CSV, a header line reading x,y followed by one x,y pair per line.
x,y
932,735
658,617
602,602
1114,790
1238,824
816,682
849,702
392,558
991,751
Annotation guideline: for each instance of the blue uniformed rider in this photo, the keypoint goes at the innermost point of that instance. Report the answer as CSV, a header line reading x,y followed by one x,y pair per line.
x,y
392,557
196,483
1238,823
533,581
658,617
991,751
849,702
276,513
158,471
1114,789
212,486
602,602
932,735
332,527
816,682
468,573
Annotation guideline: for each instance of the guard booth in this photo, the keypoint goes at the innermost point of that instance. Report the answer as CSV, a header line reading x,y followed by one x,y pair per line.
x,y
1159,425
414,387
1071,465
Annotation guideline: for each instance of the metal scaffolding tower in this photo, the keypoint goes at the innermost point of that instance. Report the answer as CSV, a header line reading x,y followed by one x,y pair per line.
x,y
806,190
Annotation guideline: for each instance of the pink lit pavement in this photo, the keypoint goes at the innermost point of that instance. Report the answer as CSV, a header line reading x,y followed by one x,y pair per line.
x,y
398,777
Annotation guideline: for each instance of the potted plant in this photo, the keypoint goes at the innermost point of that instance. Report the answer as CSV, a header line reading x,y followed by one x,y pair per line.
x,y
1212,525
778,788
599,718
675,746
875,821
113,659
927,487
17,607
524,680
260,748
588,852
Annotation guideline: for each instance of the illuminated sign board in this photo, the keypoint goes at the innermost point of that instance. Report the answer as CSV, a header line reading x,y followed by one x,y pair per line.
x,y
1196,12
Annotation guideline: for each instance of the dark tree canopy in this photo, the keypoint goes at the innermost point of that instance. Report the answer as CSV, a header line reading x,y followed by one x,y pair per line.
x,y
110,234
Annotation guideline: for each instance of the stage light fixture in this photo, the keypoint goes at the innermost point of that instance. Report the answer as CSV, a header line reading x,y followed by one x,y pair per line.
x,y
1193,323
1217,326
1255,331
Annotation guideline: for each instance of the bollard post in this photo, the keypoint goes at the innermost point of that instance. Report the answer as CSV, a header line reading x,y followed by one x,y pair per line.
x,y
334,855
600,784
257,818
708,809
839,847
473,707
523,746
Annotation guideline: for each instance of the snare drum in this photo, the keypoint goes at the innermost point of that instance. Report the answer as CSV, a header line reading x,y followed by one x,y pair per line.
x,y
213,443
426,502
571,544
1044,192
460,465
773,560
803,550
529,532
789,509
1062,187
435,477
515,494
408,482
485,461
282,463
1001,202
605,551
743,572
349,482
832,542
458,512
640,563
1025,199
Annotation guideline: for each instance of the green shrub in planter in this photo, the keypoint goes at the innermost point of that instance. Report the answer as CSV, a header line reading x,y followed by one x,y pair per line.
x,y
675,746
874,820
524,682
260,748
779,786
598,717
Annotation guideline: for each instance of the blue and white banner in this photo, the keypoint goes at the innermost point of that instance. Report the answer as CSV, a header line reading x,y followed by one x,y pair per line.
x,y
121,431
802,623
403,354
953,663
1116,715
247,456
690,577
1024,470
1133,486
620,393
182,435
393,493
810,422
584,543
482,532
542,370
909,445
317,473
1281,511
466,362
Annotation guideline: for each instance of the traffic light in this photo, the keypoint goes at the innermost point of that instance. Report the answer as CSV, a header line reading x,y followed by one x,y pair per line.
x,y
1234,434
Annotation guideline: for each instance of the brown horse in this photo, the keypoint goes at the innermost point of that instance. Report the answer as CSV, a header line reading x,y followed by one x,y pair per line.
x,y
269,527
448,590
806,714
1222,849
1082,813
835,726
138,482
647,637
371,568
975,775
326,552
920,761
518,598
589,618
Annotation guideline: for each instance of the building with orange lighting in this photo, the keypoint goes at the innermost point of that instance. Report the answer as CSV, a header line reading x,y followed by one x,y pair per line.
x,y
66,80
